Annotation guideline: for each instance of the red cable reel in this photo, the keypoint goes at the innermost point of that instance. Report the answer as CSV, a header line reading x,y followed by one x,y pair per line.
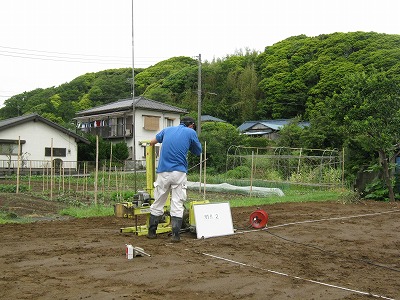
x,y
258,219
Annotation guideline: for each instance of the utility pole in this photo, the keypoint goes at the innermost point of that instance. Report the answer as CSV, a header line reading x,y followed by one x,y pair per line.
x,y
133,107
199,98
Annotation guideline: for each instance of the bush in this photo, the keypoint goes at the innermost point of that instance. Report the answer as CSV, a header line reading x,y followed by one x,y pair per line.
x,y
376,190
239,172
12,188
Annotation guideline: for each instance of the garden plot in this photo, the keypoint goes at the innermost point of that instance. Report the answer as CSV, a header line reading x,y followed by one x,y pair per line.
x,y
309,251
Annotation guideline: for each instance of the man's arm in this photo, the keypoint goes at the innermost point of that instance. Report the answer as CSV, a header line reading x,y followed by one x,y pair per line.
x,y
153,142
195,146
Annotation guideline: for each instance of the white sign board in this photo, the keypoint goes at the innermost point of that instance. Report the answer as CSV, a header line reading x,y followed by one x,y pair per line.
x,y
213,219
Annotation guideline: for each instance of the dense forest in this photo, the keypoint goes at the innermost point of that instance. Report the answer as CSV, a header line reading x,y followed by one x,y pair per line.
x,y
345,84
290,78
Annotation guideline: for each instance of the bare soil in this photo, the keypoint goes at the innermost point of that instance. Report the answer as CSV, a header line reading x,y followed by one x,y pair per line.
x,y
308,251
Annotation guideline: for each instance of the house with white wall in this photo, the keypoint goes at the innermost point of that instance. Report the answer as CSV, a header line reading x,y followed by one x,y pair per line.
x,y
129,121
34,142
268,129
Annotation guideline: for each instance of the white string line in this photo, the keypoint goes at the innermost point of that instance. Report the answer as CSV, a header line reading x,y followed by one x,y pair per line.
x,y
297,277
321,220
338,218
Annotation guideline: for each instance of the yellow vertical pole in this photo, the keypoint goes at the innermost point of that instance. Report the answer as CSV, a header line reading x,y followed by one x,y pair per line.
x,y
150,169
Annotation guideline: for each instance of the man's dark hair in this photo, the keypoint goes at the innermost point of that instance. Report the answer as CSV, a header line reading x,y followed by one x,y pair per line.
x,y
187,121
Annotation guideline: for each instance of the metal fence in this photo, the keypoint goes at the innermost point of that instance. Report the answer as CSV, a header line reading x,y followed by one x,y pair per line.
x,y
75,181
320,167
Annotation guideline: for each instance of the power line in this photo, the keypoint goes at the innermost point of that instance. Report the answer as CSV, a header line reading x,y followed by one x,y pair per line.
x,y
80,54
71,57
64,53
63,59
72,60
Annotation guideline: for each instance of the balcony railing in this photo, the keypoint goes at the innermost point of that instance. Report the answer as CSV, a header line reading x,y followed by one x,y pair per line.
x,y
113,131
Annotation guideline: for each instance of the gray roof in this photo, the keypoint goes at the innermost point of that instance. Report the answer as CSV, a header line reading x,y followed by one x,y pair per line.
x,y
12,122
126,105
268,124
208,118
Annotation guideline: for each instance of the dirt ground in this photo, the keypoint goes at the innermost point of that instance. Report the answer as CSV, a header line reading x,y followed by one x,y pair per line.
x,y
308,251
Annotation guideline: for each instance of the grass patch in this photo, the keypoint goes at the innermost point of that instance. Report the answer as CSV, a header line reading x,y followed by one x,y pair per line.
x,y
290,196
88,211
9,217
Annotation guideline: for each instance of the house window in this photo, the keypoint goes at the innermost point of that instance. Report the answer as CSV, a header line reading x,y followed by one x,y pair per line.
x,y
129,122
61,152
9,148
120,126
151,123
169,122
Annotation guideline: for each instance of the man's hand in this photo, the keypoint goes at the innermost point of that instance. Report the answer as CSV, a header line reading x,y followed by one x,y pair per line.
x,y
153,142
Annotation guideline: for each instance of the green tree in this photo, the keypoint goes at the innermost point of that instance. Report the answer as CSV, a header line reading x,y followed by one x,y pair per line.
x,y
217,136
291,135
55,100
367,112
87,152
120,151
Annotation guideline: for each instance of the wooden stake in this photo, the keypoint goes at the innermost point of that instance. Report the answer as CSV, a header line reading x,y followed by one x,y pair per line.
x,y
96,172
30,174
51,170
18,164
205,168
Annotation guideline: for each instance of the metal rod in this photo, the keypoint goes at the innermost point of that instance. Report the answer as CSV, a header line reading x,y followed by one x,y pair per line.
x,y
199,98
133,108
141,251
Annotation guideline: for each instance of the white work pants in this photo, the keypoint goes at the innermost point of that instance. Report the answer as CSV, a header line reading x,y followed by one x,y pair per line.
x,y
166,183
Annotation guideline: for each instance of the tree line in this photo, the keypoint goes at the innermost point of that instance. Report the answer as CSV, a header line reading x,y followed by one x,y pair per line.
x,y
345,84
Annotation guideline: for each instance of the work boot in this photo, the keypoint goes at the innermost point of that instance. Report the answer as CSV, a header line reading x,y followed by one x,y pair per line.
x,y
176,223
153,224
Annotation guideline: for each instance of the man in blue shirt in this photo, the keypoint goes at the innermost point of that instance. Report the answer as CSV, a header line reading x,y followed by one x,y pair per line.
x,y
172,171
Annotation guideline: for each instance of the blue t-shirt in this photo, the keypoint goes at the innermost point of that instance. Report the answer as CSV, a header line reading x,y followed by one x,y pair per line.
x,y
176,142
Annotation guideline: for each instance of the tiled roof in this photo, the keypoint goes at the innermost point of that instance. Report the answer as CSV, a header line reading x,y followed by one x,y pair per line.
x,y
208,118
126,105
12,122
269,124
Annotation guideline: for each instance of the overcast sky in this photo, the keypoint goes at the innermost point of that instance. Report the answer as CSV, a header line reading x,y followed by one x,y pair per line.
x,y
45,43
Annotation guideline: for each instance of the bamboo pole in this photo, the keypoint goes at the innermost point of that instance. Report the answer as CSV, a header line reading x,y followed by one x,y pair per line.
x,y
77,182
121,183
85,167
251,172
124,168
96,173
299,162
69,179
201,169
63,178
205,168
116,181
109,169
59,179
44,173
18,163
30,174
103,182
86,181
51,171
343,167
83,178
47,176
